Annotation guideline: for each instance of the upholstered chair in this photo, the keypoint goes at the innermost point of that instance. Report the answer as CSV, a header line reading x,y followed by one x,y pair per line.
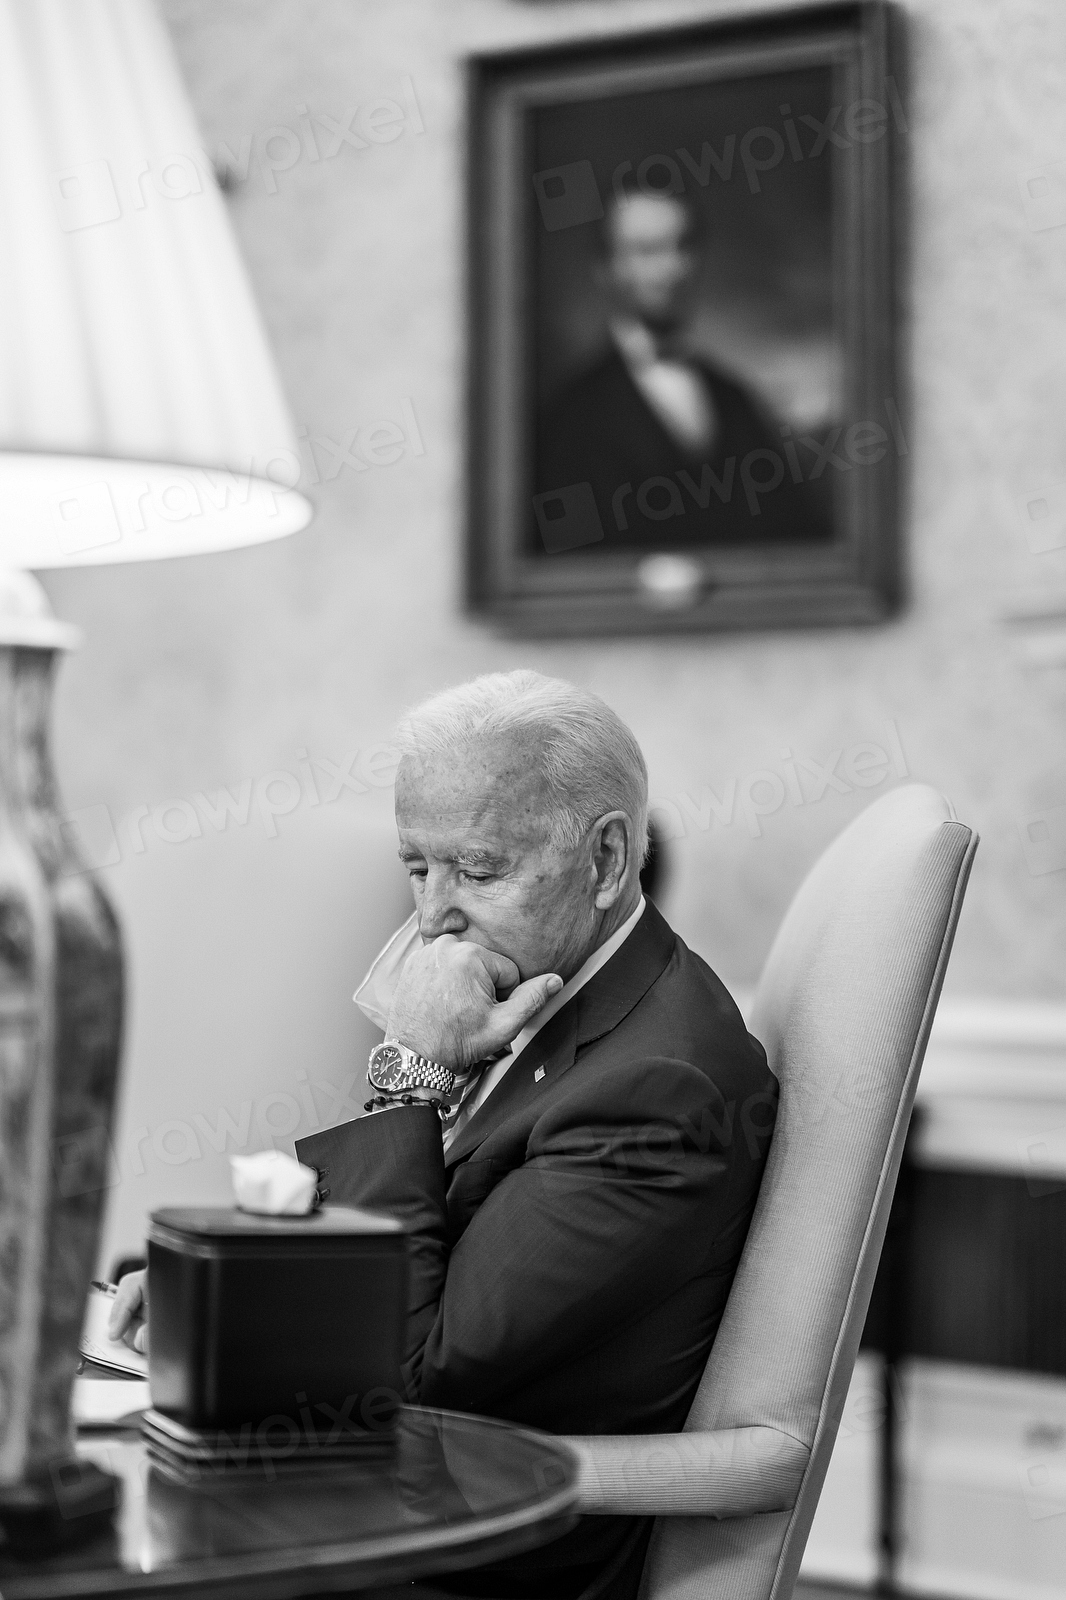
x,y
844,1008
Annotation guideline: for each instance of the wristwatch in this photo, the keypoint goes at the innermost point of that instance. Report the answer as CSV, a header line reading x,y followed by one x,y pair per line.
x,y
393,1069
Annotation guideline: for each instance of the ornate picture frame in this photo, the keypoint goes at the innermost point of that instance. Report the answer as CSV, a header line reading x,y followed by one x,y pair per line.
x,y
684,410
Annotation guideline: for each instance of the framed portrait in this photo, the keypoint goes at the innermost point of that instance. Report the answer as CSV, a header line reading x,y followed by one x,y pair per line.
x,y
684,410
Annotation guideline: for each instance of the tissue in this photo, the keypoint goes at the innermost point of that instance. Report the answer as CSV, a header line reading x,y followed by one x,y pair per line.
x,y
273,1184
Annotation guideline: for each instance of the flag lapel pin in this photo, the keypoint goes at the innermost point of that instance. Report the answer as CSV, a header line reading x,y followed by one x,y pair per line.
x,y
538,1075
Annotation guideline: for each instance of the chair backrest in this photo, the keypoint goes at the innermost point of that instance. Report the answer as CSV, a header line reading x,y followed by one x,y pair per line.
x,y
844,1009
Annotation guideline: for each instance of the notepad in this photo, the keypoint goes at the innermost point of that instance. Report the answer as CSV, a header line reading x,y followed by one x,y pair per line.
x,y
95,1344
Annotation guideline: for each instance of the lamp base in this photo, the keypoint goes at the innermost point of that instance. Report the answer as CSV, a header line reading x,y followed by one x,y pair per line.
x,y
60,1026
70,1502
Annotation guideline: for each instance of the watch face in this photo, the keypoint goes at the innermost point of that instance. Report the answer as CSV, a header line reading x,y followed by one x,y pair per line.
x,y
387,1068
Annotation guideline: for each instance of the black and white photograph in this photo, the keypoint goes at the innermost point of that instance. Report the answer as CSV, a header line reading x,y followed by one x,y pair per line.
x,y
532,800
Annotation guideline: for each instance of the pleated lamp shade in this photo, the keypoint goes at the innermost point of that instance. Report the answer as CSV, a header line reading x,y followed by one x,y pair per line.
x,y
140,412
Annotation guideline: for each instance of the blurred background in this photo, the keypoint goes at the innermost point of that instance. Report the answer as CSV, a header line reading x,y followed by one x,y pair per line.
x,y
223,736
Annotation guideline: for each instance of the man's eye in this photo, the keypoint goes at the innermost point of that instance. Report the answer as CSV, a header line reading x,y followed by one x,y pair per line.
x,y
477,877
416,872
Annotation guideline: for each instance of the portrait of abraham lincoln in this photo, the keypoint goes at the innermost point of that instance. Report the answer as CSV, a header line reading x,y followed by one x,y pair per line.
x,y
685,413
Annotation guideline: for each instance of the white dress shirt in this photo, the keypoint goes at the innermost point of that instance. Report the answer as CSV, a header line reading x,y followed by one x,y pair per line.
x,y
674,389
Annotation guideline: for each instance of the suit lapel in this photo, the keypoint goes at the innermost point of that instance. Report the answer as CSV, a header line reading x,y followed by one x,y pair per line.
x,y
553,1048
611,995
644,423
594,1011
661,444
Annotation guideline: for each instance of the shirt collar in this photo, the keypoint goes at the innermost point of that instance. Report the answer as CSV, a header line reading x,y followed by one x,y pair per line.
x,y
599,958
639,346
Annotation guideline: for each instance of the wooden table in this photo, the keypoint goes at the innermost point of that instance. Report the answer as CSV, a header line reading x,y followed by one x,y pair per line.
x,y
458,1492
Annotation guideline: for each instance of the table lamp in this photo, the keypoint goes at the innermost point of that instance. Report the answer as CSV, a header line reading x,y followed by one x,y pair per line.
x,y
140,417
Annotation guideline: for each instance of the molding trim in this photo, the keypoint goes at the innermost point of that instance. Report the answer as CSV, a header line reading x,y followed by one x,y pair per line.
x,y
993,1089
992,1093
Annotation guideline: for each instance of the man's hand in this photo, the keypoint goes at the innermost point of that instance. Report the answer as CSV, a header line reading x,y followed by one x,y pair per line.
x,y
446,1004
129,1313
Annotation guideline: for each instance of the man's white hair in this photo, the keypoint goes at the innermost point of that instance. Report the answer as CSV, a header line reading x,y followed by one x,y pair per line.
x,y
590,759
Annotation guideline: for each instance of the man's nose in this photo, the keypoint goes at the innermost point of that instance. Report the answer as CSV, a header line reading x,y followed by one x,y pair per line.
x,y
438,912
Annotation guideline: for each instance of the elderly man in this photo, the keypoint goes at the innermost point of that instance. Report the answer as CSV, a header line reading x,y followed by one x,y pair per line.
x,y
577,1213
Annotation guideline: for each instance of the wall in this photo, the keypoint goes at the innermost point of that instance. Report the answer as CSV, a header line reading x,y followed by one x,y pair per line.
x,y
202,673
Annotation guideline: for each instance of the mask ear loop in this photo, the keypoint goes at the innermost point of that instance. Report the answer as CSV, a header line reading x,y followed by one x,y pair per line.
x,y
374,994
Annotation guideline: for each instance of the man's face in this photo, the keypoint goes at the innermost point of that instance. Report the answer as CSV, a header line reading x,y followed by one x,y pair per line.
x,y
473,830
649,261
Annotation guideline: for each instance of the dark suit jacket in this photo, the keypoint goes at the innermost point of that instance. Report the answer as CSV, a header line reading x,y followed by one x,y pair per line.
x,y
602,431
572,1254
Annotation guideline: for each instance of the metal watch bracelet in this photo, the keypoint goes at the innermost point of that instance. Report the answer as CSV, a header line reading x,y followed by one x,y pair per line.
x,y
395,1068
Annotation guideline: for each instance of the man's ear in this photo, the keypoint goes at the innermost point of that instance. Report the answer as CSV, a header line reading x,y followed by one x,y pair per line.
x,y
612,857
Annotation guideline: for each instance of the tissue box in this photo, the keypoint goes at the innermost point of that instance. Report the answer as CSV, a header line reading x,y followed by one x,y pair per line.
x,y
255,1318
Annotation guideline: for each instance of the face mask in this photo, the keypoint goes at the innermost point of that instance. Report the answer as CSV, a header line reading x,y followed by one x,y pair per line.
x,y
374,994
